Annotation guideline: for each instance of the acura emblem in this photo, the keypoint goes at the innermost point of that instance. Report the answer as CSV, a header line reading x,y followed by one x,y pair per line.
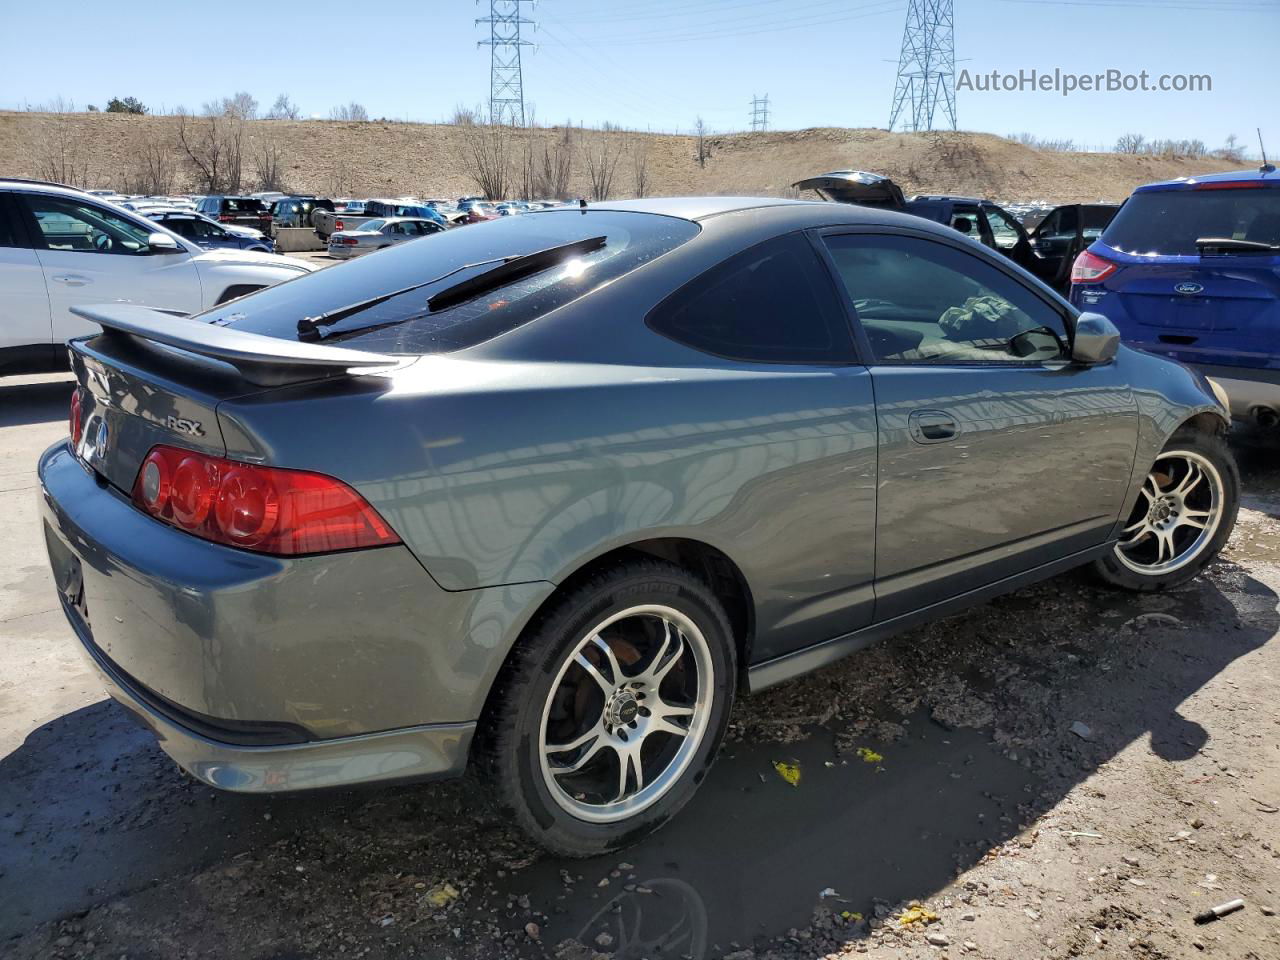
x,y
1189,288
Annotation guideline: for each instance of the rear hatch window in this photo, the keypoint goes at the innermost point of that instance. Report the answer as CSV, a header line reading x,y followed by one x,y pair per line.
x,y
242,205
1169,222
392,303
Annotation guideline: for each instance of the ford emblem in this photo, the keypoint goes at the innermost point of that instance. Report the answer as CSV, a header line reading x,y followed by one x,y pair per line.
x,y
1189,288
100,441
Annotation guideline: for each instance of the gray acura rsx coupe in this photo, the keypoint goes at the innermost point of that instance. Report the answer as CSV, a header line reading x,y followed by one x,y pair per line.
x,y
544,494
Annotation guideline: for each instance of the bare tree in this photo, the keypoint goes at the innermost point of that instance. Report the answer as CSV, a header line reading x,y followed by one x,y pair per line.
x,y
486,157
601,150
154,169
284,109
700,131
556,165
640,165
63,152
267,164
1131,143
1231,151
464,116
238,106
528,171
349,111
214,148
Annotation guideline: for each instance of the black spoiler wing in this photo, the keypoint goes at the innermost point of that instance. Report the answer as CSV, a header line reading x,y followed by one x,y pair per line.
x,y
266,361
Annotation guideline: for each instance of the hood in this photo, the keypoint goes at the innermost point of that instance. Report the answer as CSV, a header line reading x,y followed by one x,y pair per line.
x,y
855,186
252,258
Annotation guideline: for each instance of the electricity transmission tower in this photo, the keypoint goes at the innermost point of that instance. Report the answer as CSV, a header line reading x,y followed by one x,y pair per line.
x,y
760,112
506,79
926,67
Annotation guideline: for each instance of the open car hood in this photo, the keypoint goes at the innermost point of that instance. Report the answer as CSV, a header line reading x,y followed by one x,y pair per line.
x,y
855,186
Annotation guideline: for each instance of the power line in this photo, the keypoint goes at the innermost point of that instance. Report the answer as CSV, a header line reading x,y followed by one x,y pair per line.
x,y
506,72
926,66
759,113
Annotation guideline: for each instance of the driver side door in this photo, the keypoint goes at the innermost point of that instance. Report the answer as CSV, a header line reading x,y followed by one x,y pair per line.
x,y
997,454
91,255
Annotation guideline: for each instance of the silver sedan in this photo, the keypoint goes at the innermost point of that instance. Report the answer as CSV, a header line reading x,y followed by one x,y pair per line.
x,y
376,234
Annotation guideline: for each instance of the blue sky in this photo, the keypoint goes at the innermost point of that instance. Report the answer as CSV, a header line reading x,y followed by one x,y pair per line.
x,y
658,64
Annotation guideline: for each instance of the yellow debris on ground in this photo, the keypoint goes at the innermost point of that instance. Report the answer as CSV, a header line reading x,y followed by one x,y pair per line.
x,y
789,772
870,756
917,913
441,894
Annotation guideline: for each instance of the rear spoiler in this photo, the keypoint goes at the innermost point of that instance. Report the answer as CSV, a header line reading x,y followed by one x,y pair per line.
x,y
261,360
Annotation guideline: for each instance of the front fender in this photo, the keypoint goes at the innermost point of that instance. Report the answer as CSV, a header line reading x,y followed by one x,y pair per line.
x,y
1168,394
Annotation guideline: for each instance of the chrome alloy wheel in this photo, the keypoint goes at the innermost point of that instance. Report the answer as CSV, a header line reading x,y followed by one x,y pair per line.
x,y
1177,514
626,713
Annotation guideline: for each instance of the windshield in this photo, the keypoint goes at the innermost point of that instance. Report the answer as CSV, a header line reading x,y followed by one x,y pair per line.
x,y
404,324
1169,222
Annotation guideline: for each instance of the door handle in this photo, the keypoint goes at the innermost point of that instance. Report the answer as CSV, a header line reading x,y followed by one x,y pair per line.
x,y
932,426
73,280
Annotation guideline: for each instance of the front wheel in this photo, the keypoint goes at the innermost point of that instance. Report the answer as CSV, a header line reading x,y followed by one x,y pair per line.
x,y
612,709
1186,510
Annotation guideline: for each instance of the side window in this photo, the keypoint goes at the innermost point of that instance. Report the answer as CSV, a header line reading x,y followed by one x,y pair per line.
x,y
1004,231
923,302
79,227
1051,226
8,225
773,303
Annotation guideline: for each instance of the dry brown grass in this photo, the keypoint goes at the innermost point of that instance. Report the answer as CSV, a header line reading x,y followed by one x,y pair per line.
x,y
373,159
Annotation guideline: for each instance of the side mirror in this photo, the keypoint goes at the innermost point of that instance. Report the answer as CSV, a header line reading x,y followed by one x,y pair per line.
x,y
163,243
1096,339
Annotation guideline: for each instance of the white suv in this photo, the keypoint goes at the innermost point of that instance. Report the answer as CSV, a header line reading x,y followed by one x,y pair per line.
x,y
61,247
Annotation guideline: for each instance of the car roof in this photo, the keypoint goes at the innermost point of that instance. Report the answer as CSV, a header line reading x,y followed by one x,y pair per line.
x,y
697,208
1259,175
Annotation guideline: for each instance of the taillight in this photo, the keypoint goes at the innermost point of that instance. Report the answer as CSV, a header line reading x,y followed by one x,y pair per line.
x,y
1226,185
264,509
225,218
344,241
337,225
77,419
1091,268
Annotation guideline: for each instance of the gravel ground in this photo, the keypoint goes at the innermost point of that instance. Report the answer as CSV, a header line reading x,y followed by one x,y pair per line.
x,y
1063,772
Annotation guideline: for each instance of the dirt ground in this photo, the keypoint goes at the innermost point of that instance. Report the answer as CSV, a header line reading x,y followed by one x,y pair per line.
x,y
381,158
1063,772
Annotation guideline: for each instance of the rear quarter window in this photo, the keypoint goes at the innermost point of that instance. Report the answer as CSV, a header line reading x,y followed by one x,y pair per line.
x,y
1169,222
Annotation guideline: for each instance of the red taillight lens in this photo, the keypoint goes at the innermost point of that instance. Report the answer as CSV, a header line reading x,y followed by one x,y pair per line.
x,y
225,218
1091,268
337,225
1227,185
265,509
76,419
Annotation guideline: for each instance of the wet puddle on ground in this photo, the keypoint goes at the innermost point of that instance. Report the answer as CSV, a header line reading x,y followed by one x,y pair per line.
x,y
751,856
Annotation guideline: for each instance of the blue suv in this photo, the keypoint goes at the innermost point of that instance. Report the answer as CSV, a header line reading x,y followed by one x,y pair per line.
x,y
1190,269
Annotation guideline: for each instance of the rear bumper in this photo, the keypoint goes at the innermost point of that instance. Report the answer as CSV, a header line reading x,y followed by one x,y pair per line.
x,y
269,673
429,752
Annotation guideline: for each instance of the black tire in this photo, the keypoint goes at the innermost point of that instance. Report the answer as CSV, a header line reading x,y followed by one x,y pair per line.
x,y
1212,447
508,742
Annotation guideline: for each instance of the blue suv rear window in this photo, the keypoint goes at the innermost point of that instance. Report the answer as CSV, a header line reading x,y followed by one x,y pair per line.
x,y
1169,222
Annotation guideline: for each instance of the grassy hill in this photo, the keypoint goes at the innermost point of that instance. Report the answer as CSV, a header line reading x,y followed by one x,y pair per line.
x,y
380,158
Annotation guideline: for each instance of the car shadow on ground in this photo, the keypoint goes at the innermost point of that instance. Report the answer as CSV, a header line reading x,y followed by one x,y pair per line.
x,y
34,401
882,812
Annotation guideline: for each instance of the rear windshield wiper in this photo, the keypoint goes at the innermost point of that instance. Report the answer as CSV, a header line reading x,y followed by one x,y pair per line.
x,y
1230,245
508,269
512,269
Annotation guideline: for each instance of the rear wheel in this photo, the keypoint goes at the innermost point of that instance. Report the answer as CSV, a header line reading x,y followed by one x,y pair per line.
x,y
612,709
1185,512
